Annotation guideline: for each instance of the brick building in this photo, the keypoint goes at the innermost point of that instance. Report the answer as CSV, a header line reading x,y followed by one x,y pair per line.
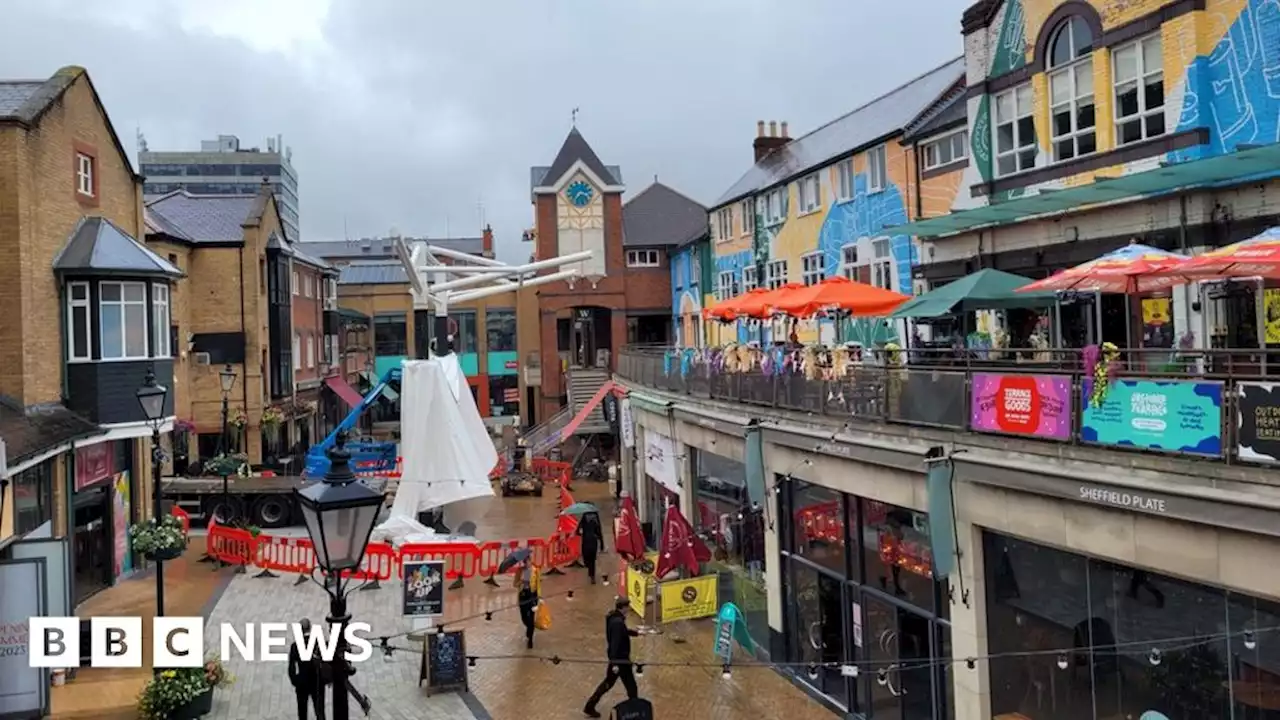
x,y
88,313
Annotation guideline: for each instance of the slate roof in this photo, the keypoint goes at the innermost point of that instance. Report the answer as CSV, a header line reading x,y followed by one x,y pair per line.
x,y
575,148
863,127
382,248
32,430
948,112
14,94
660,217
373,272
98,247
202,218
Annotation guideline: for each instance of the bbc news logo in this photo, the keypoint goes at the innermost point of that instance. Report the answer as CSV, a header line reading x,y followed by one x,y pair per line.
x,y
177,642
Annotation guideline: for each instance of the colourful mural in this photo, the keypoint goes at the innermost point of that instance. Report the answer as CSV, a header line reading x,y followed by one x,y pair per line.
x,y
686,296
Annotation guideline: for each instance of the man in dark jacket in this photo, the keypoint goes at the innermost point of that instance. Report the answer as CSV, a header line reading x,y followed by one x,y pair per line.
x,y
592,542
618,637
304,675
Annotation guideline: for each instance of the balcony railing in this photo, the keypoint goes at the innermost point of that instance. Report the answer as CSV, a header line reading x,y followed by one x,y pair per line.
x,y
1216,404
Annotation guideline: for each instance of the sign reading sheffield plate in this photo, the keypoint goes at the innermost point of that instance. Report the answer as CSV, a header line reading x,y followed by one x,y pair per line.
x,y
1173,416
1030,405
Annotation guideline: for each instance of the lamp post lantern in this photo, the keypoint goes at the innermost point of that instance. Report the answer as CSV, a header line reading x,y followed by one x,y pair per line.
x,y
227,378
152,396
340,512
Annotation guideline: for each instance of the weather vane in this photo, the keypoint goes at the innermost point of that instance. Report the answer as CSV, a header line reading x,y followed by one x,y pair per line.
x,y
575,117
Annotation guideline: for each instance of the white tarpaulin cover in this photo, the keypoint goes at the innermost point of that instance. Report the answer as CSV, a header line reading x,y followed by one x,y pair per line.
x,y
446,449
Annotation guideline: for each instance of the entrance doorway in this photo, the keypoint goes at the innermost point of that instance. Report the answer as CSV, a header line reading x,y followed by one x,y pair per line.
x,y
899,639
591,337
819,638
94,561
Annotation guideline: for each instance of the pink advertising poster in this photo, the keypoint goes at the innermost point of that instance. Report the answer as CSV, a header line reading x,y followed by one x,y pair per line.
x,y
120,513
1029,405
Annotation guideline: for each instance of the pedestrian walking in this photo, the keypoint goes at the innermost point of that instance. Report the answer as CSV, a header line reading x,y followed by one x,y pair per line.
x,y
618,638
304,676
527,599
592,542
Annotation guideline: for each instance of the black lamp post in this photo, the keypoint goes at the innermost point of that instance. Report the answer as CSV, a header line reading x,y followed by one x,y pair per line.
x,y
227,377
340,512
151,396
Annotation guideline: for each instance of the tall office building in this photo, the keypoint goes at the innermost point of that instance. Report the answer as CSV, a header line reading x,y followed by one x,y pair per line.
x,y
223,167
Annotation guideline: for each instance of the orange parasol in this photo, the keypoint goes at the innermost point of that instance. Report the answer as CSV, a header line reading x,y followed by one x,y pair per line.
x,y
728,310
759,306
1259,256
839,293
1132,269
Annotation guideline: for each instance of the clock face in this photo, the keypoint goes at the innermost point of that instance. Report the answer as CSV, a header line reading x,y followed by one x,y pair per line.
x,y
579,193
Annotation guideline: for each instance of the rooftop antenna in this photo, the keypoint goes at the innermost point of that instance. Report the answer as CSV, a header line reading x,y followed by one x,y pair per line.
x,y
142,141
574,117
346,234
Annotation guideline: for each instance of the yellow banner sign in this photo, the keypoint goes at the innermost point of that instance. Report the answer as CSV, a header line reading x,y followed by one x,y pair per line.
x,y
689,599
637,590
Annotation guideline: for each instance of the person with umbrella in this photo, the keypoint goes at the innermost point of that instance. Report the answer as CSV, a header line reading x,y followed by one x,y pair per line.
x,y
527,582
591,532
618,638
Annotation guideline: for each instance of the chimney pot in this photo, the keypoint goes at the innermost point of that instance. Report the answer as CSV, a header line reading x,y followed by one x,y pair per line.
x,y
773,128
784,129
759,128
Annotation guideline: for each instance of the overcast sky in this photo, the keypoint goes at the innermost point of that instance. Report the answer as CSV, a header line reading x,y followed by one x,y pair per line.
x,y
412,114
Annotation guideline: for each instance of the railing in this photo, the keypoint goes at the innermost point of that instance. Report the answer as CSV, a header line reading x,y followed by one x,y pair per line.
x,y
546,435
1218,404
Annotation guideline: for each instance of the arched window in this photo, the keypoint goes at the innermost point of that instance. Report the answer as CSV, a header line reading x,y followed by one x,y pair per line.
x,y
1071,106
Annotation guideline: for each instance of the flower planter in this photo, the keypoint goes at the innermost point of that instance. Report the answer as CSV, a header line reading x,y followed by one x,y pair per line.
x,y
199,706
165,554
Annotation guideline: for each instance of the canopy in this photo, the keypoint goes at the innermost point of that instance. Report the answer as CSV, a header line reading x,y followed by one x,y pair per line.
x,y
1133,268
729,309
986,289
840,293
1259,256
759,306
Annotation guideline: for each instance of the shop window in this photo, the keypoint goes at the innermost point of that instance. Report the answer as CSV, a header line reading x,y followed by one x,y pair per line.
x,y
818,526
390,335
504,395
500,327
33,497
897,552
462,326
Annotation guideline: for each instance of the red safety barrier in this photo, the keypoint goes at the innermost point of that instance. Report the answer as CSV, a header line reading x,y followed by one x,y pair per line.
x,y
563,549
285,554
379,563
461,560
230,545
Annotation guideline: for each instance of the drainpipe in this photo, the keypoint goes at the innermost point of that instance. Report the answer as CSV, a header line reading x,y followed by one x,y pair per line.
x,y
244,340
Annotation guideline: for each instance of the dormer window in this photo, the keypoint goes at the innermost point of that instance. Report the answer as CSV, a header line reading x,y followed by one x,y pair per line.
x,y
1071,103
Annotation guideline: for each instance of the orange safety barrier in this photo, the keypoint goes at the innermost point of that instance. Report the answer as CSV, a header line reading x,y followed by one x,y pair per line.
x,y
461,560
285,554
563,549
379,563
230,545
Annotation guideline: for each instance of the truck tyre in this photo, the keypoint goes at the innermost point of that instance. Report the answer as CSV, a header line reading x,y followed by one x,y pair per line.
x,y
226,513
272,511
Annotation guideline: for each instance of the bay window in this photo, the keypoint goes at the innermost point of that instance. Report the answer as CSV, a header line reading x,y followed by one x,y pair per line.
x,y
79,333
123,317
160,318
1071,105
1139,90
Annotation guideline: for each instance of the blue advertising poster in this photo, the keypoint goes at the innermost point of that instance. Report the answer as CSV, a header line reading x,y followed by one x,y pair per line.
x,y
1173,416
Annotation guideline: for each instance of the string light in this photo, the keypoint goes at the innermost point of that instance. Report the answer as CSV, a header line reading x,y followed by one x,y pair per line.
x,y
725,672
639,668
1062,662
1250,642
1154,657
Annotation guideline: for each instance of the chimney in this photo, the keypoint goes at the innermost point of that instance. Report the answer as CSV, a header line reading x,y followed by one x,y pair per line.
x,y
486,241
767,142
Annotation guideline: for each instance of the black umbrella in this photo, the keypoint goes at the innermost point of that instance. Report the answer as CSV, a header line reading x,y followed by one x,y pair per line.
x,y
516,557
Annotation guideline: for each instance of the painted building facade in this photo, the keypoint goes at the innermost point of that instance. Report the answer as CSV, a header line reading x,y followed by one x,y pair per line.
x,y
691,291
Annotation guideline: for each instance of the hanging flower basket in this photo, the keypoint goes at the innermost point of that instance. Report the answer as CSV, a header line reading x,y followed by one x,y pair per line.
x,y
182,693
272,416
299,408
239,419
1104,366
159,540
226,465
183,427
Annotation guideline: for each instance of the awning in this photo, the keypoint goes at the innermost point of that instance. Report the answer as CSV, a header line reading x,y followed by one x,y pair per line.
x,y
344,391
1246,164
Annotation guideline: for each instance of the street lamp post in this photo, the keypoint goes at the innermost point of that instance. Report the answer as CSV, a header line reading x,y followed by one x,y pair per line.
x,y
227,377
340,512
151,396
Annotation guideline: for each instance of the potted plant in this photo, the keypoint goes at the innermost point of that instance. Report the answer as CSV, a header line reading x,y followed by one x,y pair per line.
x,y
182,693
239,418
271,416
159,540
227,464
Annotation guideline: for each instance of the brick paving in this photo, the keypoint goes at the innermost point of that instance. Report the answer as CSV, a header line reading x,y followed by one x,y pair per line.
x,y
513,682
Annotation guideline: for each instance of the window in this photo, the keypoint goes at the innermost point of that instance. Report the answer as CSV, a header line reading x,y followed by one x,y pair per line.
x,y
747,209
123,316
776,274
1071,108
775,206
333,287
849,261
160,318
311,351
1015,131
810,188
726,285
811,270
881,264
642,258
295,282
78,331
307,288
297,352
877,170
750,278
946,150
462,326
1139,79
84,174
844,180
500,327
724,223
390,335
33,497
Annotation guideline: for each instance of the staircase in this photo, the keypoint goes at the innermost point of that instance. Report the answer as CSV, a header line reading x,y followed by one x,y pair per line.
x,y
584,383
547,435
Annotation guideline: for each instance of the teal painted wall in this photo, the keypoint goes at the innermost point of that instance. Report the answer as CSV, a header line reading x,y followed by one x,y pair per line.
x,y
498,362
470,363
382,364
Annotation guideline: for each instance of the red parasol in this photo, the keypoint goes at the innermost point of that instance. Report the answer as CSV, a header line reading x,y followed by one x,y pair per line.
x,y
1259,256
760,306
840,293
728,310
630,540
680,547
1132,269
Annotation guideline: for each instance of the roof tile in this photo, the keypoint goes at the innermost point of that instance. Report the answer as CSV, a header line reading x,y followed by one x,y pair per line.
x,y
661,216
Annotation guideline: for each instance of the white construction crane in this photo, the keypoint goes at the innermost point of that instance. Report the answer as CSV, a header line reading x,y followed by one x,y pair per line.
x,y
434,285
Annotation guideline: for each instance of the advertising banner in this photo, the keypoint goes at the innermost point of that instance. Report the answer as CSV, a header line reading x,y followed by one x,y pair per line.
x,y
24,690
660,460
423,588
688,599
637,591
120,515
1258,422
94,463
1028,405
1170,415
628,427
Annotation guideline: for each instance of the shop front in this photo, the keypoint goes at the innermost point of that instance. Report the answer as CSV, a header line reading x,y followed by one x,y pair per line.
x,y
1083,638
102,509
858,587
662,484
733,527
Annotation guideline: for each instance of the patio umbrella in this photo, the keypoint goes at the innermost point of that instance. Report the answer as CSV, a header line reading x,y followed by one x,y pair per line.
x,y
629,542
759,306
1134,268
1259,256
680,547
840,293
727,310
986,289
580,509
516,557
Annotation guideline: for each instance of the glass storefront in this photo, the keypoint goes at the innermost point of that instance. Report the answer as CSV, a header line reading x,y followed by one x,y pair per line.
x,y
33,497
1085,638
733,527
859,588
